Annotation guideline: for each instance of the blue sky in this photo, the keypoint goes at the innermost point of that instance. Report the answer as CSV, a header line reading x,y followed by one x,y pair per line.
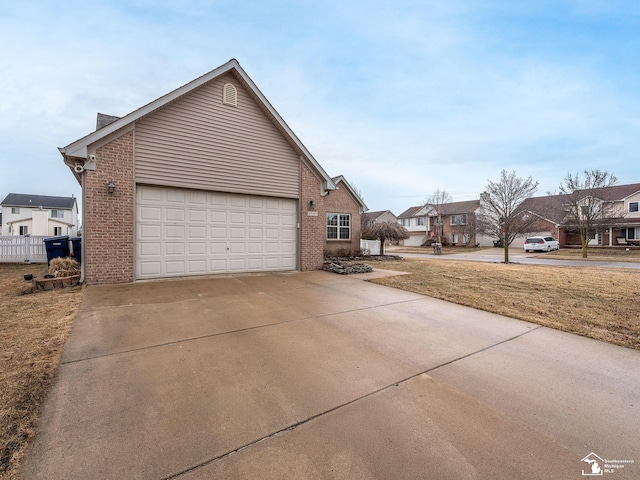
x,y
402,97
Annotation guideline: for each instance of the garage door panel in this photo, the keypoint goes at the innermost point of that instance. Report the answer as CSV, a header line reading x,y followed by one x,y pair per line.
x,y
175,267
197,248
175,231
237,265
255,219
217,248
238,218
174,214
184,232
218,217
256,247
197,266
150,269
288,263
151,232
199,216
175,195
150,249
174,248
236,232
218,232
237,247
150,213
288,248
218,266
197,232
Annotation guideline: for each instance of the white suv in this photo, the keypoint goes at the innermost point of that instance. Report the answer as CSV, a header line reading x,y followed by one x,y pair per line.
x,y
543,244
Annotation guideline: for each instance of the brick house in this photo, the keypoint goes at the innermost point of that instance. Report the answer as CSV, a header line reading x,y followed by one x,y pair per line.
x,y
623,228
456,223
206,179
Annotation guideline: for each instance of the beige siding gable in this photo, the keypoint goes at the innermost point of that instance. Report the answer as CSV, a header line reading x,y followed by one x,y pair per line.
x,y
200,142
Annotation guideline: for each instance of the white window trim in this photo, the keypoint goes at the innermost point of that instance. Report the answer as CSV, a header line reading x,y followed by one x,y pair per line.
x,y
458,215
338,227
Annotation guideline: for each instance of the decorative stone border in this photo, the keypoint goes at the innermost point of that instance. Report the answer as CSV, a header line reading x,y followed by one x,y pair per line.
x,y
41,283
345,268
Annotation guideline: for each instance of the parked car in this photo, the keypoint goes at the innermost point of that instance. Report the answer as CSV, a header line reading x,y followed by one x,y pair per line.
x,y
544,244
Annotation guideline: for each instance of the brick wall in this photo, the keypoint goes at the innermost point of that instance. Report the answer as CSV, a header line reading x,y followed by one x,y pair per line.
x,y
312,222
108,231
341,201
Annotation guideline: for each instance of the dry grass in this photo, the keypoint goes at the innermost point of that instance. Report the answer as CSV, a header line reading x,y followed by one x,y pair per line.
x,y
33,329
598,303
598,254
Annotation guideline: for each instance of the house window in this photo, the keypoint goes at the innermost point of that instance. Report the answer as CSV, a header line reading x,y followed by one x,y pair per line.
x,y
15,210
631,231
633,206
57,214
420,220
405,222
57,231
338,226
24,230
460,219
454,238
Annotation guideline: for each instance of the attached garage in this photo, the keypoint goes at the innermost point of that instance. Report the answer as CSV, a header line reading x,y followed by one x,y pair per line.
x,y
207,179
193,232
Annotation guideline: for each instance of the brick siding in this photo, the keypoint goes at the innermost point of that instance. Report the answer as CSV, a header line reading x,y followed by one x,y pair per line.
x,y
312,226
108,231
341,201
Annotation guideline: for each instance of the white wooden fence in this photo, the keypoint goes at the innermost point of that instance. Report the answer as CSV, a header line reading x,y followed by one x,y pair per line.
x,y
18,249
370,247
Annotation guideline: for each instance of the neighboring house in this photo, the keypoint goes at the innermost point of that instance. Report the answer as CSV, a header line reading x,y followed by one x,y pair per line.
x,y
370,218
622,229
455,224
414,220
45,215
343,208
206,179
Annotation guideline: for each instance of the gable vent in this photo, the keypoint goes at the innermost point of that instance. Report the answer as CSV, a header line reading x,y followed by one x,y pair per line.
x,y
229,95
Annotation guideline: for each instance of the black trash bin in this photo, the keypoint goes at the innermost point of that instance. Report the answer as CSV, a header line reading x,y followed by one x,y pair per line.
x,y
56,247
76,244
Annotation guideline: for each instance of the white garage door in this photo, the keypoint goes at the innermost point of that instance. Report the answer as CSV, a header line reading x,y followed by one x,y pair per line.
x,y
183,232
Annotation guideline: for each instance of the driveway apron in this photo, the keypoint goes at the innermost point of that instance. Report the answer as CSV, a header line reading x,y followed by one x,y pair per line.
x,y
315,375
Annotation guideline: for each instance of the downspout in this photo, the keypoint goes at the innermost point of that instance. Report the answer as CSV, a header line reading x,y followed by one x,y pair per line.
x,y
83,243
300,214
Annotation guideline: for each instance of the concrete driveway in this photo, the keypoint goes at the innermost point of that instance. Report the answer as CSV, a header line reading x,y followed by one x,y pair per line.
x,y
315,375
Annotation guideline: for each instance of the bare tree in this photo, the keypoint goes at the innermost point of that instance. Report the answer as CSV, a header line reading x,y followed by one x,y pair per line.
x,y
437,202
384,231
587,204
468,229
499,216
